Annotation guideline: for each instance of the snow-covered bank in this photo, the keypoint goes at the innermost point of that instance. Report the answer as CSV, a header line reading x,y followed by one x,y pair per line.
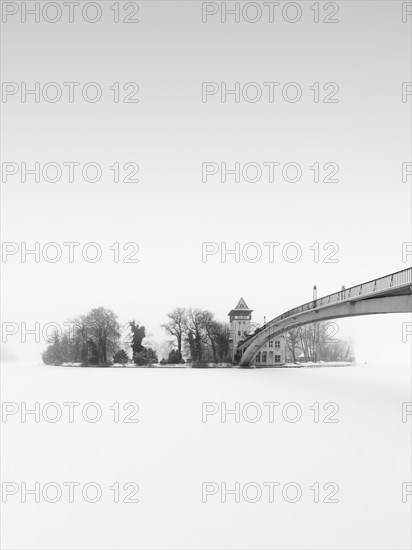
x,y
217,365
322,364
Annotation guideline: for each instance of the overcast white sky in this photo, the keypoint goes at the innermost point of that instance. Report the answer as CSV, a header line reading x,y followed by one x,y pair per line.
x,y
170,132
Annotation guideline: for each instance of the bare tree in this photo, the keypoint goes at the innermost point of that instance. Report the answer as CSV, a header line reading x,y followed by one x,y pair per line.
x,y
194,328
211,329
292,341
99,331
314,341
176,327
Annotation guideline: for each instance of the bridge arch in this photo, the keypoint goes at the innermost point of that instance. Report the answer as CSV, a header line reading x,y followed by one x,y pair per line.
x,y
389,294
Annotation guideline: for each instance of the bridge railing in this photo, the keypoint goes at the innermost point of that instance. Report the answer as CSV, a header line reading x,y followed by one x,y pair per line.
x,y
382,283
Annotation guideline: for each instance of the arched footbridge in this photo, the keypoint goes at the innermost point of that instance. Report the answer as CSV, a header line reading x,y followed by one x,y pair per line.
x,y
389,294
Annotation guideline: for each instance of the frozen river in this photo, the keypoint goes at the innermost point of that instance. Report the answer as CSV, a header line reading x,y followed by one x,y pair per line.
x,y
296,436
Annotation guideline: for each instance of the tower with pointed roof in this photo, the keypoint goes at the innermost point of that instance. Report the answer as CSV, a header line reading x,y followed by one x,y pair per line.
x,y
239,319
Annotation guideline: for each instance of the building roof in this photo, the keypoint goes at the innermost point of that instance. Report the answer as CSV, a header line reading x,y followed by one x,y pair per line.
x,y
241,304
241,307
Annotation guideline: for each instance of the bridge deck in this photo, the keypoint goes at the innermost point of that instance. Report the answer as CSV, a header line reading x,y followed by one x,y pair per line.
x,y
398,283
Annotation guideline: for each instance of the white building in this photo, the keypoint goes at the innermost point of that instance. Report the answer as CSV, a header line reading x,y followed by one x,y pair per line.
x,y
273,353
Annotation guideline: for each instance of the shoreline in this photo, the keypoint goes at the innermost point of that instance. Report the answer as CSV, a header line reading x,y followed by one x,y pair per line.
x,y
308,364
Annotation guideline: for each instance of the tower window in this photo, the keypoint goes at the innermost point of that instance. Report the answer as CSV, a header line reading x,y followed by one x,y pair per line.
x,y
277,344
277,359
257,357
264,357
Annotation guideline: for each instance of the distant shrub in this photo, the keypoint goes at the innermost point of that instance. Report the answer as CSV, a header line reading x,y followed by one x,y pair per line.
x,y
147,356
121,357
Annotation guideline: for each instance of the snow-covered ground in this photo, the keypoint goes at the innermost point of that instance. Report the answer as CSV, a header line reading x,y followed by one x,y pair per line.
x,y
170,452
